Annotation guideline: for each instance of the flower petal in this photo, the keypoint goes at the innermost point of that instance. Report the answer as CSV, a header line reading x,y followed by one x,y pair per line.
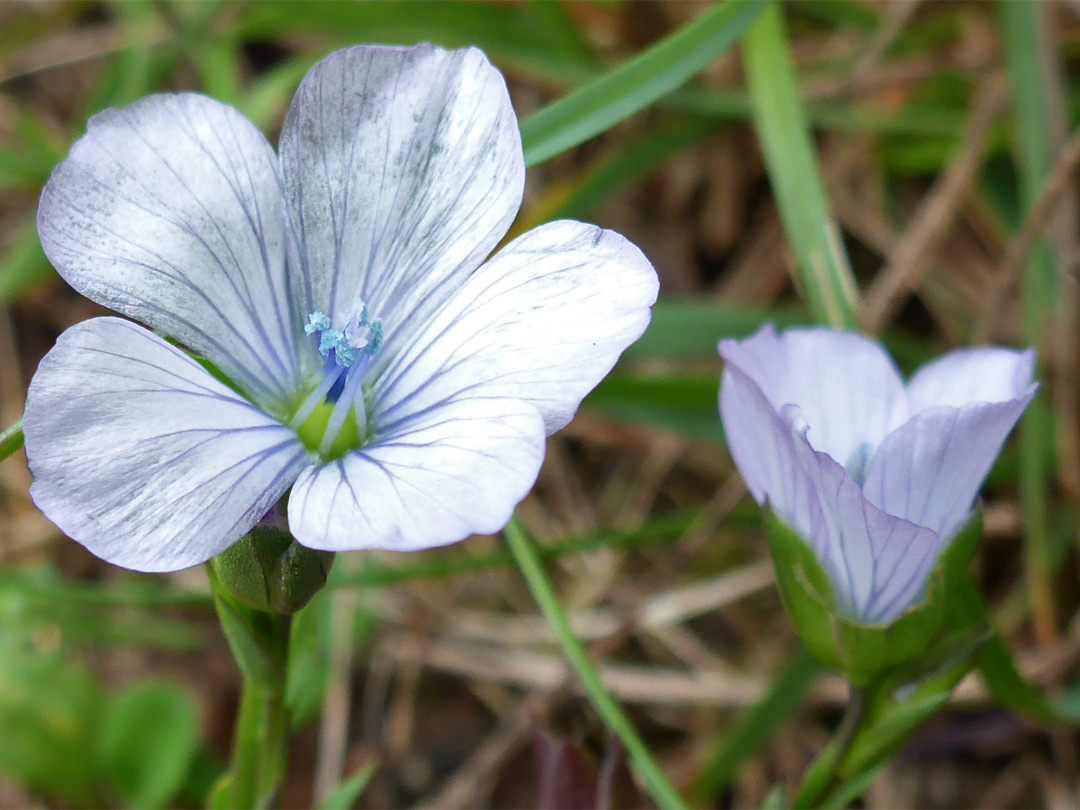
x,y
930,470
543,322
878,563
443,475
142,456
845,385
404,169
979,374
169,211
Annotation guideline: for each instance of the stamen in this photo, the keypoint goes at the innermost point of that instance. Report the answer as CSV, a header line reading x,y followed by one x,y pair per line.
x,y
347,351
341,408
331,375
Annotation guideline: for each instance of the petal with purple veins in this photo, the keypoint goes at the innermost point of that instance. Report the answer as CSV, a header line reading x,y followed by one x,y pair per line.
x,y
542,322
403,169
142,456
438,477
845,386
878,563
169,211
929,470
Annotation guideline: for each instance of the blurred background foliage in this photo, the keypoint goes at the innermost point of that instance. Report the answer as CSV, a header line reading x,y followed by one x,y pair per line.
x,y
771,161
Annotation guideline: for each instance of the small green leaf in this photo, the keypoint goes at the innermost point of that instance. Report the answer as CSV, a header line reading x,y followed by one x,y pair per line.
x,y
652,74
345,794
147,739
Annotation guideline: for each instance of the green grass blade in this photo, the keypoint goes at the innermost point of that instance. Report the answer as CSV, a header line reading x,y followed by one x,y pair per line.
x,y
1034,128
345,794
11,440
651,75
609,710
756,727
823,269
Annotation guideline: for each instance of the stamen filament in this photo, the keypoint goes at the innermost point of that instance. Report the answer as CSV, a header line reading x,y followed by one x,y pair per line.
x,y
315,398
341,407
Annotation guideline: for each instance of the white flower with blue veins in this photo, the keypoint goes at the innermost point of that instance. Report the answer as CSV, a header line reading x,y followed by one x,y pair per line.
x,y
875,474
380,365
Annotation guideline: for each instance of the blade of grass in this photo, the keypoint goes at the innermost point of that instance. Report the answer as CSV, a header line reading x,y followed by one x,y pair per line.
x,y
609,710
652,74
11,440
1034,128
822,264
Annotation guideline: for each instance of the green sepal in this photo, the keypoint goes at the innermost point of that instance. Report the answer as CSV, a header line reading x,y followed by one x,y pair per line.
x,y
865,653
268,570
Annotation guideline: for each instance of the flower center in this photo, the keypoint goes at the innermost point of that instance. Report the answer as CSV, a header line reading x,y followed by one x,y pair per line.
x,y
322,421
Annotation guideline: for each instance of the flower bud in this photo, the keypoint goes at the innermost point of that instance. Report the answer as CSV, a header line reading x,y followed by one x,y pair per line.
x,y
866,653
269,571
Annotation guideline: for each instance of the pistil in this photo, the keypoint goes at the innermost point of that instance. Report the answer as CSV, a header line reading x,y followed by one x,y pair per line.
x,y
323,416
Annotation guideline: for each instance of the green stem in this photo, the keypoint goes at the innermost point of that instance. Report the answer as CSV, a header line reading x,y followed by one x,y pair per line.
x,y
259,642
528,560
820,777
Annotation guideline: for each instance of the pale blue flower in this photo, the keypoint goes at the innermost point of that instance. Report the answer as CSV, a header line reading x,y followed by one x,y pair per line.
x,y
387,374
876,475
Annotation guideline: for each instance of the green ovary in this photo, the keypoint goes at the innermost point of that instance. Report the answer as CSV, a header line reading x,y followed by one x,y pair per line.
x,y
313,428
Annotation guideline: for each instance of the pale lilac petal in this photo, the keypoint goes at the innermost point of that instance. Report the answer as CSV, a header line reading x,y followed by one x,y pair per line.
x,y
169,211
142,456
877,563
982,374
930,470
404,169
437,478
543,322
845,385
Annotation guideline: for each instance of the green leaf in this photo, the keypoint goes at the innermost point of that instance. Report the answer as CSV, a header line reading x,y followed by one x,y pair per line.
x,y
999,672
23,263
652,74
511,34
691,328
11,440
685,404
50,707
756,727
147,739
345,794
824,272
624,166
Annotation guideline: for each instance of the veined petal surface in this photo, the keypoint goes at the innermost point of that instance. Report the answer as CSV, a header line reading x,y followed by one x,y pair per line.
x,y
403,169
170,211
878,563
543,321
929,470
438,477
142,456
846,386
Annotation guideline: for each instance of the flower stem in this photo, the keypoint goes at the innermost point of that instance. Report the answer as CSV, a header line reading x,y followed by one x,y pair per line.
x,y
609,710
821,775
259,642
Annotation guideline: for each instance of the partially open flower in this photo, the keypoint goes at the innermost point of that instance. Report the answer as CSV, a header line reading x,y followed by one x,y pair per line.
x,y
875,475
353,343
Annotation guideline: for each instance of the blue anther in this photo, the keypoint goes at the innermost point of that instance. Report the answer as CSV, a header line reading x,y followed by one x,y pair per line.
x,y
317,322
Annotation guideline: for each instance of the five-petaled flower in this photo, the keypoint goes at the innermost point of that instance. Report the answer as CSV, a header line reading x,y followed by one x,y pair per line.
x,y
351,342
877,476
